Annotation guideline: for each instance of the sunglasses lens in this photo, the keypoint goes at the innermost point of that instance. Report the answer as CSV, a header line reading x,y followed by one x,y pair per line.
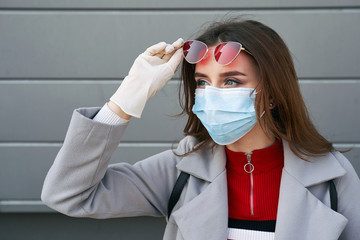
x,y
194,51
225,53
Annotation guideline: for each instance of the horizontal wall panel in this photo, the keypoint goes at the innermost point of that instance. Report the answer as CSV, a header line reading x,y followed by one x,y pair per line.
x,y
103,45
40,112
43,111
60,227
161,4
334,108
23,170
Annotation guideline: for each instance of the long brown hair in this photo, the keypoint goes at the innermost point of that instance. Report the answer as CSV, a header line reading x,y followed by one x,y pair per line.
x,y
289,119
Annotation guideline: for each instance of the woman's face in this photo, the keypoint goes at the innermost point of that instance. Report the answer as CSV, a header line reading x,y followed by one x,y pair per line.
x,y
242,72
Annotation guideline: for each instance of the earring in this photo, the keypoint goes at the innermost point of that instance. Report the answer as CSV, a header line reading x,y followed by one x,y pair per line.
x,y
271,104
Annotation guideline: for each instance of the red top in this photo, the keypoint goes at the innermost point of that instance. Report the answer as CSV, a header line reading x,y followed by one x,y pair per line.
x,y
264,181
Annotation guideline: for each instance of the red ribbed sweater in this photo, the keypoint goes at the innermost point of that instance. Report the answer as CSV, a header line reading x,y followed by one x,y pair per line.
x,y
253,197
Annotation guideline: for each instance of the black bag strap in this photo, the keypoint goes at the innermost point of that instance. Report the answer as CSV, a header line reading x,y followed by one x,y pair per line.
x,y
333,196
176,192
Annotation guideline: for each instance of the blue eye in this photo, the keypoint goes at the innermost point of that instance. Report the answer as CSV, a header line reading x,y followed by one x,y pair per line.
x,y
201,83
232,82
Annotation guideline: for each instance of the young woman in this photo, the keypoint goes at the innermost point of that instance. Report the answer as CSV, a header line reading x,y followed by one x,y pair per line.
x,y
258,167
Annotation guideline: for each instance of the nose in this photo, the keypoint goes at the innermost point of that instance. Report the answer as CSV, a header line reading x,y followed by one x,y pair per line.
x,y
216,84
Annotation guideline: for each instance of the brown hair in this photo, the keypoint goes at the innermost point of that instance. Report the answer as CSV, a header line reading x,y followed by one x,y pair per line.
x,y
289,120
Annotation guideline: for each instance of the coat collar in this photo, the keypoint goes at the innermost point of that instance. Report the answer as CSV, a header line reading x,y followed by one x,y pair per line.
x,y
204,164
207,164
299,211
313,171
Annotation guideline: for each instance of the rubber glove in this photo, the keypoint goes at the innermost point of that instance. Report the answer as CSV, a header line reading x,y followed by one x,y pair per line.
x,y
149,73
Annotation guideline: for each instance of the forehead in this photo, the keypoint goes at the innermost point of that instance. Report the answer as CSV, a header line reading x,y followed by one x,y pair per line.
x,y
243,62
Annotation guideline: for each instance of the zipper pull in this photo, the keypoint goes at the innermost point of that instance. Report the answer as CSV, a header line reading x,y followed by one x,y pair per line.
x,y
249,167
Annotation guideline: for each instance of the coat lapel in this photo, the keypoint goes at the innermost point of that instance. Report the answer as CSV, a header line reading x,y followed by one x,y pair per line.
x,y
206,215
300,214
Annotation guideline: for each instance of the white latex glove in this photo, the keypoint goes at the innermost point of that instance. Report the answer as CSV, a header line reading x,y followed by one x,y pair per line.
x,y
149,73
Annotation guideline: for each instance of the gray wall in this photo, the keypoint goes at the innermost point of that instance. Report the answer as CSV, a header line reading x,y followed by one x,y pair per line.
x,y
59,55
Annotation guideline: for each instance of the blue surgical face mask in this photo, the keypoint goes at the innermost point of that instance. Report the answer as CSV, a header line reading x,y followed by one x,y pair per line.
x,y
227,113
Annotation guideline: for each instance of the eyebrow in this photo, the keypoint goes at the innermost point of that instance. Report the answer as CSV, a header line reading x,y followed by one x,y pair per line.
x,y
225,74
232,73
197,74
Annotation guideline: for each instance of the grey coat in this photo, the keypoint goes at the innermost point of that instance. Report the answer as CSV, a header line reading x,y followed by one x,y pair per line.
x,y
81,184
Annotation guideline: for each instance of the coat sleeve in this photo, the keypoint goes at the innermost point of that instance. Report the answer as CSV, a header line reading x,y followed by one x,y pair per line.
x,y
348,189
81,184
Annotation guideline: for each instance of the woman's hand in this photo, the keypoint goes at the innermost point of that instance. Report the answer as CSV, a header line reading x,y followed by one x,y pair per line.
x,y
149,73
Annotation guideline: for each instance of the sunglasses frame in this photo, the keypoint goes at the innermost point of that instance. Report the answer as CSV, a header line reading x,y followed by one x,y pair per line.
x,y
207,50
